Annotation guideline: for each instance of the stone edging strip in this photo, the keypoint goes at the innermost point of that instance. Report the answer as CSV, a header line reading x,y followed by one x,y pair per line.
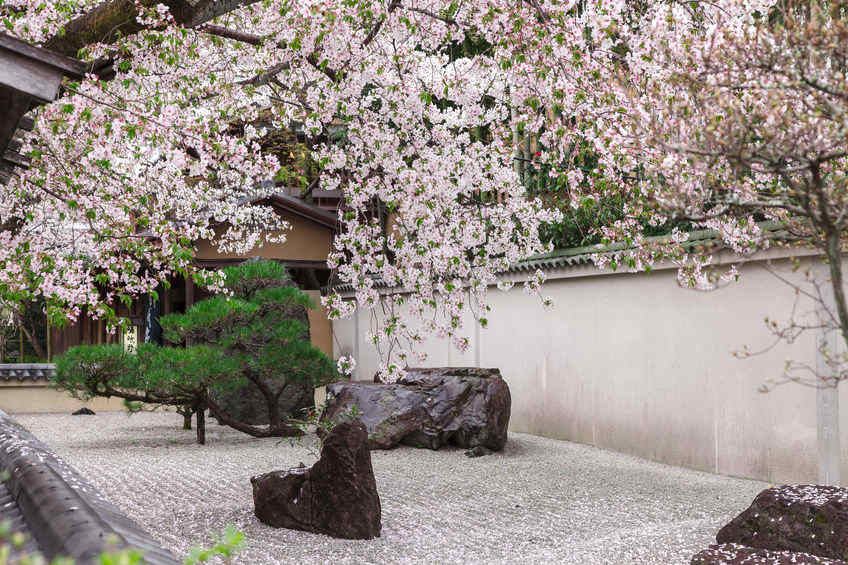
x,y
66,514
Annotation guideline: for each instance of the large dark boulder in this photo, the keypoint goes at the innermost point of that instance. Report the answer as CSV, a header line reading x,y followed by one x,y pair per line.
x,y
801,518
735,554
337,496
467,407
389,412
248,405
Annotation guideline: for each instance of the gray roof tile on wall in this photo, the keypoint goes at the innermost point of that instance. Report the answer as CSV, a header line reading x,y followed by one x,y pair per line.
x,y
580,256
65,513
26,371
561,258
10,512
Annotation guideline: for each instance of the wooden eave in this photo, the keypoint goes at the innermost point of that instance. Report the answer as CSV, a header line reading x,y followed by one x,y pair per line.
x,y
300,208
29,76
44,58
223,262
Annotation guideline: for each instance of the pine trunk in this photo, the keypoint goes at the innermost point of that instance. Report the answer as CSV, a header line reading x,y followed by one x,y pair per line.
x,y
201,426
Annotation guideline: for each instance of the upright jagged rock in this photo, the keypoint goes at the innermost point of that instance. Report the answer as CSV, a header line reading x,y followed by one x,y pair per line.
x,y
465,406
337,496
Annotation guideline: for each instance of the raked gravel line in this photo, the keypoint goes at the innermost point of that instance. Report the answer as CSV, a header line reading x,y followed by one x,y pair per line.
x,y
539,501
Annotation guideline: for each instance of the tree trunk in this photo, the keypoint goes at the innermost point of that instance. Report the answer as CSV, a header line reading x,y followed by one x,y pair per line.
x,y
33,340
274,418
834,257
278,426
201,425
284,429
118,18
280,429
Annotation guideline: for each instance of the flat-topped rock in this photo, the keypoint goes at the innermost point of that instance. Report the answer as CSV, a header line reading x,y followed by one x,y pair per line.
x,y
431,407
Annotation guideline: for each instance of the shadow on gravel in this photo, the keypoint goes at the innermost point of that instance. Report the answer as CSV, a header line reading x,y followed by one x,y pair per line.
x,y
189,440
516,447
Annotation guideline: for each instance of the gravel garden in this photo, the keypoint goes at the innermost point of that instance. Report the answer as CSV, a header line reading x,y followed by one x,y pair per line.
x,y
537,501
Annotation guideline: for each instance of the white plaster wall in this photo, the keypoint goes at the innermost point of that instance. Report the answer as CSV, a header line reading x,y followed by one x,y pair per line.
x,y
633,363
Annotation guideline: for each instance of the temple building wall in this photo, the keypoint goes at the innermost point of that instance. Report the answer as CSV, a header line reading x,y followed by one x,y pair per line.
x,y
304,253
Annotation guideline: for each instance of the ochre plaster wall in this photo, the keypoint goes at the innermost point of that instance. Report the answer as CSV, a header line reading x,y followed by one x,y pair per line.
x,y
19,397
320,327
305,241
321,335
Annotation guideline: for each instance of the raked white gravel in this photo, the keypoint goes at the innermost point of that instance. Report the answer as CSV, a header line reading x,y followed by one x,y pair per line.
x,y
538,501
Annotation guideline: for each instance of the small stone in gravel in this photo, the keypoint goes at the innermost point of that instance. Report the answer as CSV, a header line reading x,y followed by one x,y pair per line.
x,y
478,451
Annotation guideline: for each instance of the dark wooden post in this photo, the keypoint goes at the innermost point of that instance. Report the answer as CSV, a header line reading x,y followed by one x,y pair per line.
x,y
165,295
201,422
189,292
152,310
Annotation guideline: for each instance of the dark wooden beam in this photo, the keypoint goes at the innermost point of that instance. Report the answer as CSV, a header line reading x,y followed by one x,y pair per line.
x,y
189,292
291,263
66,66
34,71
14,106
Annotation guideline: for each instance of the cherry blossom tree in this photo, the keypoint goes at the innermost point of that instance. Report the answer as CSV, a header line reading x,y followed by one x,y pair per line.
x,y
430,116
750,127
743,119
126,173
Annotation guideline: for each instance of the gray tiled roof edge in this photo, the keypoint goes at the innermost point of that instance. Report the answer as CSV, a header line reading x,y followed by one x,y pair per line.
x,y
574,256
67,515
580,256
27,371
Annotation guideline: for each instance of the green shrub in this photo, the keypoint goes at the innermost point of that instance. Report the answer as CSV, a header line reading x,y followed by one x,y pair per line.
x,y
252,338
